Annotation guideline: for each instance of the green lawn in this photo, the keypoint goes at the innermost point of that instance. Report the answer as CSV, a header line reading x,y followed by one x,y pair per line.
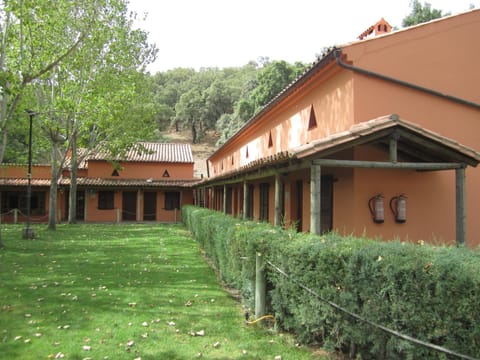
x,y
121,292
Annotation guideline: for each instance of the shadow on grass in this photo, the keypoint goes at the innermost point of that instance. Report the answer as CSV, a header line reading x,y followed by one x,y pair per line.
x,y
106,286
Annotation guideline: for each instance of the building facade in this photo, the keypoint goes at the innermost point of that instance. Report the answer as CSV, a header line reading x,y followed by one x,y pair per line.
x,y
151,184
378,127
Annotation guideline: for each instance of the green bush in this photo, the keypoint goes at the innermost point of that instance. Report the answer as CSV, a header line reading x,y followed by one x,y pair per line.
x,y
429,293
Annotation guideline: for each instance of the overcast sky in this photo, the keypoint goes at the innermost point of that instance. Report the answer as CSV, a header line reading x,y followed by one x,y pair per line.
x,y
224,33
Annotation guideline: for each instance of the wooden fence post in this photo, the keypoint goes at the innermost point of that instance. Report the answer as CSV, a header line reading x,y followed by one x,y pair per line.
x,y
260,286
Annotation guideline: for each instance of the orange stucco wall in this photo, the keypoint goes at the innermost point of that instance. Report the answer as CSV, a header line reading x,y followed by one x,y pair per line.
x,y
93,214
13,171
288,125
441,55
140,170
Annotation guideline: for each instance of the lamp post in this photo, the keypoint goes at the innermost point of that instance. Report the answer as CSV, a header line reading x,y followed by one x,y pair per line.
x,y
28,232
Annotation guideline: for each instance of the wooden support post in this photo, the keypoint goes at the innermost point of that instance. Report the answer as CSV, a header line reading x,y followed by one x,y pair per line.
x,y
15,216
224,205
393,147
460,206
213,205
119,218
139,202
260,286
315,199
278,200
245,199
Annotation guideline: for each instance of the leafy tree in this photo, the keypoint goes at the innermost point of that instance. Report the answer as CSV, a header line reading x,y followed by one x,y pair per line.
x,y
27,51
421,13
93,97
189,111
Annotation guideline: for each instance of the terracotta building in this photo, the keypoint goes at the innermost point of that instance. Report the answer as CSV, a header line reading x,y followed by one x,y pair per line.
x,y
378,137
148,185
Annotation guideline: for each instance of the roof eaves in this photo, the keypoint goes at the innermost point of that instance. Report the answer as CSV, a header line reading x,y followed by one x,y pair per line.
x,y
316,66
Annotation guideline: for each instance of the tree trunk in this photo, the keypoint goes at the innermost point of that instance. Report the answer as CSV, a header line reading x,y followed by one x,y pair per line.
x,y
52,207
2,245
194,133
72,199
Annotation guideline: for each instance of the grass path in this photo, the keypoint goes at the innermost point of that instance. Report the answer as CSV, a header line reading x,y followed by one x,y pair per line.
x,y
121,292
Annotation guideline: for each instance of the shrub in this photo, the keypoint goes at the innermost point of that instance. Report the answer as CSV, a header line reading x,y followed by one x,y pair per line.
x,y
429,293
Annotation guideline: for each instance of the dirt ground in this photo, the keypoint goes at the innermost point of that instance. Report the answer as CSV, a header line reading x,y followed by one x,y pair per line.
x,y
201,151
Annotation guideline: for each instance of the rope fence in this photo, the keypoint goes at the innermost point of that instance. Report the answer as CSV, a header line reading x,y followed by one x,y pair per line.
x,y
17,213
372,323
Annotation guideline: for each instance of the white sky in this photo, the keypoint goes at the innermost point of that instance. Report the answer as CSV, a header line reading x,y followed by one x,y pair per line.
x,y
224,33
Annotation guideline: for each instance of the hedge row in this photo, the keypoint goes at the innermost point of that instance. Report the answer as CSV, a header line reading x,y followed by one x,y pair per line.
x,y
429,293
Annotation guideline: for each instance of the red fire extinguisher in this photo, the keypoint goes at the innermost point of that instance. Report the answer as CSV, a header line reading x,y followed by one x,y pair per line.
x,y
398,205
375,204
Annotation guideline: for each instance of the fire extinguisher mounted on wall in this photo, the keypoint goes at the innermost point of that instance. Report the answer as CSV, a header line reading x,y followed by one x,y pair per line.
x,y
376,206
398,205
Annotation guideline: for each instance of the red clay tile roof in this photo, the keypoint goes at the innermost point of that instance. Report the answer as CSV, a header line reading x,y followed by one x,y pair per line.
x,y
136,183
23,182
365,130
385,28
153,152
98,182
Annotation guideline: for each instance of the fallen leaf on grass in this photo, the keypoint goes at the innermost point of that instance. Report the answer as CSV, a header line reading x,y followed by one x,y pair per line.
x,y
87,347
198,333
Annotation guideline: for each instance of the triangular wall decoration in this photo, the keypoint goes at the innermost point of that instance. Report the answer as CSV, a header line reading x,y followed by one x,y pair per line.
x,y
312,121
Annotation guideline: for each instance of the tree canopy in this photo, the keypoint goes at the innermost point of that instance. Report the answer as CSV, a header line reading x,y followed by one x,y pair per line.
x,y
421,13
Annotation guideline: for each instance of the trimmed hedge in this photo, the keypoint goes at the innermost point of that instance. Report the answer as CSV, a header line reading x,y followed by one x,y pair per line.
x,y
429,293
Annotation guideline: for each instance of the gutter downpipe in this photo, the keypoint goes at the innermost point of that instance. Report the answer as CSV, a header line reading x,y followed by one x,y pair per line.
x,y
338,53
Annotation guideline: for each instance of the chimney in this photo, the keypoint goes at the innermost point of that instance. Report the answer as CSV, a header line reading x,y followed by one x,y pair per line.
x,y
380,27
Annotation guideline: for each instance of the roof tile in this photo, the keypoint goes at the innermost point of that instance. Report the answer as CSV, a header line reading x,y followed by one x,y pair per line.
x,y
153,152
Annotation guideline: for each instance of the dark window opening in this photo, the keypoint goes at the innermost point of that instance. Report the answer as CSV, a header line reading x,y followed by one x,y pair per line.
x,y
270,140
172,200
115,173
246,155
18,200
166,174
326,211
312,121
150,206
228,200
105,200
264,190
251,189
